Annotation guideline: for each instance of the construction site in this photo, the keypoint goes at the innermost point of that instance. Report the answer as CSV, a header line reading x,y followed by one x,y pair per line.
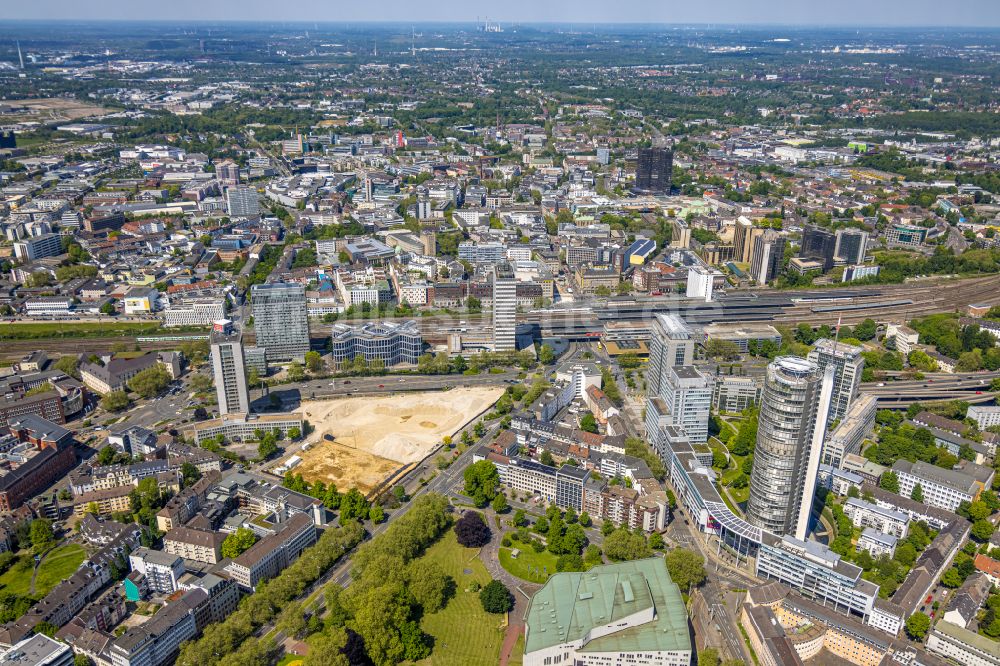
x,y
363,442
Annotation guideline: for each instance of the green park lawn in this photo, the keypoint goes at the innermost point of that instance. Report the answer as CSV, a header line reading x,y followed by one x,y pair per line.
x,y
463,632
57,566
17,579
528,565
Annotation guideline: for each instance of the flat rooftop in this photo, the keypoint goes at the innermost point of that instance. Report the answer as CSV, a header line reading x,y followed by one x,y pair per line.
x,y
570,605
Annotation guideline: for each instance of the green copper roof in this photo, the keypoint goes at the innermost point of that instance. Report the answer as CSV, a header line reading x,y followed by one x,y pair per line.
x,y
570,605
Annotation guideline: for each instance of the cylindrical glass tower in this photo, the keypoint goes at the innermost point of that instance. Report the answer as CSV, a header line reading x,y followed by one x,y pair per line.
x,y
782,481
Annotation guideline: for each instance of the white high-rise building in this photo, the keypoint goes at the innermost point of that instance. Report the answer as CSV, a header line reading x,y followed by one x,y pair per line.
x,y
671,343
688,398
504,308
242,201
229,368
794,410
701,282
848,364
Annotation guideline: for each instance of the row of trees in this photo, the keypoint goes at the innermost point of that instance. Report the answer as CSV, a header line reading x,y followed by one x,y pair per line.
x,y
231,642
973,347
146,384
352,505
392,589
909,442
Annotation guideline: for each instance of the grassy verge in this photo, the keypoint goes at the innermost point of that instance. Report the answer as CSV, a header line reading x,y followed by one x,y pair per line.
x,y
61,329
528,565
517,654
463,632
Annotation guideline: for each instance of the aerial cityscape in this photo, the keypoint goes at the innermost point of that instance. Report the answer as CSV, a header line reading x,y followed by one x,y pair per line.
x,y
410,336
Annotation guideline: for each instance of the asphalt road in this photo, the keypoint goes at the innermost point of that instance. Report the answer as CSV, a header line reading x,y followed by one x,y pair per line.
x,y
329,387
971,387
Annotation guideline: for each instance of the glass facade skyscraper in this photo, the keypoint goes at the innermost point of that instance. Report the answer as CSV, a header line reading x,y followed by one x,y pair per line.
x,y
794,409
654,170
848,364
504,308
280,320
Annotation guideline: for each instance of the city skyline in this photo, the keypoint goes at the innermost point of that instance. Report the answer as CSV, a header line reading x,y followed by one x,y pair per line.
x,y
922,13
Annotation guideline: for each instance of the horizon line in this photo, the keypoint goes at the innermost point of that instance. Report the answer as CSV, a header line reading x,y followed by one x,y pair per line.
x,y
509,22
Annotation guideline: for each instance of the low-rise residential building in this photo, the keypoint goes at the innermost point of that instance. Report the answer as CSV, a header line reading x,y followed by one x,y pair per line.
x,y
161,569
193,544
223,594
869,515
877,543
964,605
157,641
962,646
942,488
269,556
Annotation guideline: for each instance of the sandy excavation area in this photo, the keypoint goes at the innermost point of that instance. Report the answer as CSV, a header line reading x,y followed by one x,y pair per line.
x,y
377,437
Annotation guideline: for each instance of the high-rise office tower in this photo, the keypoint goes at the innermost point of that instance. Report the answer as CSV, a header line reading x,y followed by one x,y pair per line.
x,y
687,396
819,244
280,320
242,201
672,343
504,308
793,412
229,368
228,173
848,364
429,240
768,253
679,395
851,246
654,171
743,239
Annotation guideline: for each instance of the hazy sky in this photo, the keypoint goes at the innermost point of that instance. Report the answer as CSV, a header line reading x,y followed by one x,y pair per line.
x,y
980,13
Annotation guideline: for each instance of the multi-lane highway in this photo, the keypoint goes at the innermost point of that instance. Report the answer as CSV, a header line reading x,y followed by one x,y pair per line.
x,y
330,387
974,387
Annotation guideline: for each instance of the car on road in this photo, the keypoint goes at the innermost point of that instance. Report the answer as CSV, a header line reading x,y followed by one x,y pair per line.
x,y
381,385
346,382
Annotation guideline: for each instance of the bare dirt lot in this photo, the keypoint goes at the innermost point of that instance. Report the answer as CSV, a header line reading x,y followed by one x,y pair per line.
x,y
57,108
376,437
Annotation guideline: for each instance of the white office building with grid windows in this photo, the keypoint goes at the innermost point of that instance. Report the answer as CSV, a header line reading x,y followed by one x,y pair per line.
x,y
389,342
